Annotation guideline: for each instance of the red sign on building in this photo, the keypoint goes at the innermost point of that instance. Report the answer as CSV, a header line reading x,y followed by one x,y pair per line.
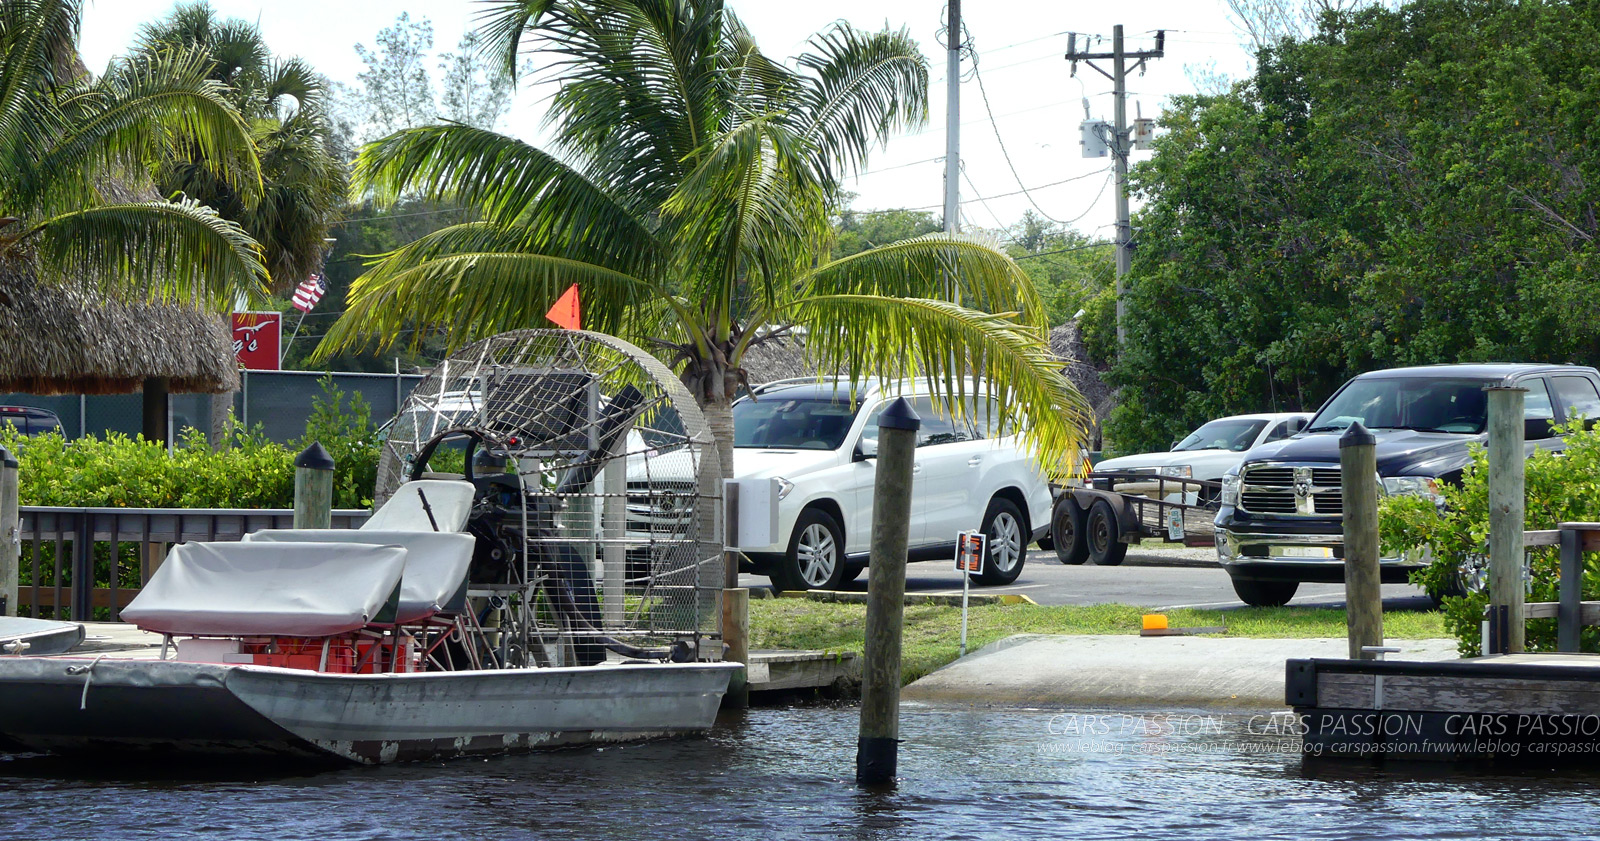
x,y
258,340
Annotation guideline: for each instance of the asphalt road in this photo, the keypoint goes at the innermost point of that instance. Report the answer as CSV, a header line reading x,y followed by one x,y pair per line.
x,y
1163,578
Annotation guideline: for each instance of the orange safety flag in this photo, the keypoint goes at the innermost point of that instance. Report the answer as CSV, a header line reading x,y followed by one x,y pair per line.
x,y
567,312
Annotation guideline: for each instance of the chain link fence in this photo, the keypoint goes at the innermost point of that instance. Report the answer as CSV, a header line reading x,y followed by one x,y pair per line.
x,y
278,401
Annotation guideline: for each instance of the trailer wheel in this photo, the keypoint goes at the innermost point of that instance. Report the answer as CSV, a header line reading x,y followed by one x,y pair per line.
x,y
1101,532
1066,532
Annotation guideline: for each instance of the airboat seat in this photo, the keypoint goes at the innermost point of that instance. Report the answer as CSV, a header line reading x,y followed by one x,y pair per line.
x,y
435,578
259,588
449,500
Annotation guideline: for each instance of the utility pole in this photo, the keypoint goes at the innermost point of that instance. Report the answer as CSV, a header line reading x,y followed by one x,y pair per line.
x,y
1121,141
952,123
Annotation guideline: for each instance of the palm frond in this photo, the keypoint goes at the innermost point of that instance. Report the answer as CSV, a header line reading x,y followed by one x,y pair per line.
x,y
170,251
641,86
891,338
924,267
502,25
862,87
508,182
38,47
145,106
468,296
767,218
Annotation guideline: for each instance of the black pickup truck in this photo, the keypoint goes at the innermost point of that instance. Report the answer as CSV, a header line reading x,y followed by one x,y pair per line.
x,y
1280,519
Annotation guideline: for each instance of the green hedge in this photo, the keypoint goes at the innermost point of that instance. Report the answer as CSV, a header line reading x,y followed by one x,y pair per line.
x,y
1558,488
249,471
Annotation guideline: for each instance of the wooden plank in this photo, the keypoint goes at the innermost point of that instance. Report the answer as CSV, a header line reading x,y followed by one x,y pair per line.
x,y
1466,695
100,598
1545,537
1547,610
1589,532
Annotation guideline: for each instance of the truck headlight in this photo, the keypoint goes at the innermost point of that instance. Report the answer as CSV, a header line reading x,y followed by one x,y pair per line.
x,y
784,487
1230,487
1182,471
1424,486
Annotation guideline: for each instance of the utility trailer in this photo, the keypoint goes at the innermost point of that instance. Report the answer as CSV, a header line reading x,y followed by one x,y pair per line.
x,y
1095,521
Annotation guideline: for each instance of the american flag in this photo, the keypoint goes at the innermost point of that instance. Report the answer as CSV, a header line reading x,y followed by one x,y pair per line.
x,y
309,292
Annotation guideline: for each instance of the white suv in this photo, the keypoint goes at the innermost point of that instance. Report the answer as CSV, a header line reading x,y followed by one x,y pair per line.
x,y
820,447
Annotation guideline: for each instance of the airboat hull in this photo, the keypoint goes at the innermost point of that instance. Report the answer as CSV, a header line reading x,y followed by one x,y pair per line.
x,y
151,707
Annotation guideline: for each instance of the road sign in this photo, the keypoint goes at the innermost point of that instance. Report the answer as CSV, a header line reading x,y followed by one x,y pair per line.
x,y
969,551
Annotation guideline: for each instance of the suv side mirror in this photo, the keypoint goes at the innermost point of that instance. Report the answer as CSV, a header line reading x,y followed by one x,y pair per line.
x,y
1537,429
865,448
1296,424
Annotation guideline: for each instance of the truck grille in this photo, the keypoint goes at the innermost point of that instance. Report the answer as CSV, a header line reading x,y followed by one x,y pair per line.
x,y
1291,490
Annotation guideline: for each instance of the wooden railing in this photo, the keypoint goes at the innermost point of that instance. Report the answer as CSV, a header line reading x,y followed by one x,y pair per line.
x,y
1571,613
68,577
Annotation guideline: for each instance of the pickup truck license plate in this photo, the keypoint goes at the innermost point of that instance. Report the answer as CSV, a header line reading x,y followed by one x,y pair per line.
x,y
1302,551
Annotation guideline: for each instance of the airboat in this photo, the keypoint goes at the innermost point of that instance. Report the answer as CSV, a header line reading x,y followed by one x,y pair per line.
x,y
543,569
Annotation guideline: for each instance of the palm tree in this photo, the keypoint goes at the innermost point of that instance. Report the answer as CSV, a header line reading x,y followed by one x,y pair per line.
x,y
688,193
71,146
304,188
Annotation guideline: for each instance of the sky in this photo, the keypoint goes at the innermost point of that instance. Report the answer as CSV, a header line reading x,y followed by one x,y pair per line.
x,y
1035,102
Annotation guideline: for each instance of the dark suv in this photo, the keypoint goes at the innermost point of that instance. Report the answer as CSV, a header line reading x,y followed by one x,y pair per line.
x,y
30,421
1281,517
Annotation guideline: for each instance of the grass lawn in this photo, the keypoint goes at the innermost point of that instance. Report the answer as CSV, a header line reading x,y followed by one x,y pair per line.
x,y
933,632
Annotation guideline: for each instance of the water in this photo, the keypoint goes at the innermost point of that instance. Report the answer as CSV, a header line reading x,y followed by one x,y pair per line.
x,y
788,773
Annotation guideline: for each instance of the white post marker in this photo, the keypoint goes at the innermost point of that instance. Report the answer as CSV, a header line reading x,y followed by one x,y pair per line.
x,y
969,562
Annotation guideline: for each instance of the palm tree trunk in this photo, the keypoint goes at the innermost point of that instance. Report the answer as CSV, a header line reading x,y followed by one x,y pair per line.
x,y
719,419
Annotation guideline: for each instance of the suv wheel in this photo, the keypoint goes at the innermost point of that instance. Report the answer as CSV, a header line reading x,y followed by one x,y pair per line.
x,y
1101,535
1007,543
1265,593
1066,531
815,560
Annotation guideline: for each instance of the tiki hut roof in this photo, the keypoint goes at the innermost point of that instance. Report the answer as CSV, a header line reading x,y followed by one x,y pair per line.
x,y
783,358
1066,342
72,339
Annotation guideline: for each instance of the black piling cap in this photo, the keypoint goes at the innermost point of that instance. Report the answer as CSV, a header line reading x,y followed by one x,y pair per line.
x,y
315,457
1356,435
6,459
900,415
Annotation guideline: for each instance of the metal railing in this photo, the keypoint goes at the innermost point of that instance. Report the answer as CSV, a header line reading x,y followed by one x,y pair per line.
x,y
77,560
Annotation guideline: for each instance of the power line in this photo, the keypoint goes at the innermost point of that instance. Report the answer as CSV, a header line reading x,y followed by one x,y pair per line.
x,y
982,92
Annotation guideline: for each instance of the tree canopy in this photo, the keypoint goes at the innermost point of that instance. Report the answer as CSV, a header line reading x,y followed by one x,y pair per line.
x,y
688,192
75,150
303,189
1410,185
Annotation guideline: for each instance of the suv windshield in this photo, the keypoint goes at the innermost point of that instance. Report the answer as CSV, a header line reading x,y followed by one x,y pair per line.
x,y
1428,405
792,423
1235,435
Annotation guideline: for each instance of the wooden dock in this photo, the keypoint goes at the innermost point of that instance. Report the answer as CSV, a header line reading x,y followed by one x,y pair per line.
x,y
774,671
1511,708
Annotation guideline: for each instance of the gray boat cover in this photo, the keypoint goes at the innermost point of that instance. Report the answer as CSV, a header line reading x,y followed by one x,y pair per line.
x,y
436,563
261,589
449,500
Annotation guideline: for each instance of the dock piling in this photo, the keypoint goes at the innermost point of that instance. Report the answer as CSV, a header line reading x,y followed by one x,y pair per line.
x,y
736,634
10,533
1506,475
313,488
878,745
1358,469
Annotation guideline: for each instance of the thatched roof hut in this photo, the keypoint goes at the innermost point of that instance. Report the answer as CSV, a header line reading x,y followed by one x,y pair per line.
x,y
57,339
1066,342
782,358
